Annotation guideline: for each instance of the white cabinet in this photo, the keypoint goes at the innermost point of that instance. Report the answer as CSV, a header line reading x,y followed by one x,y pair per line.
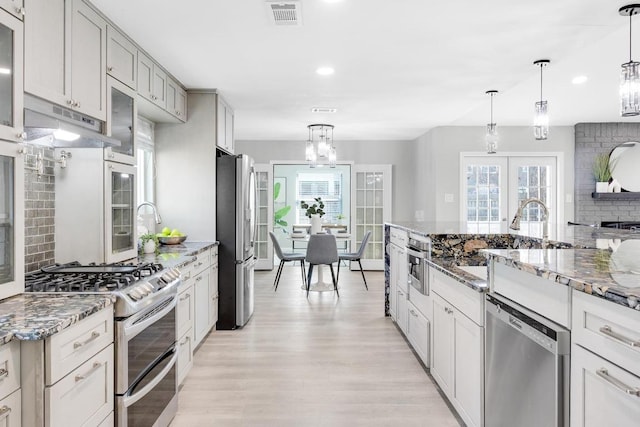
x,y
605,363
457,362
213,288
202,303
176,100
418,332
68,377
14,7
10,393
152,81
397,270
65,64
122,58
11,96
393,282
402,315
185,318
11,410
224,125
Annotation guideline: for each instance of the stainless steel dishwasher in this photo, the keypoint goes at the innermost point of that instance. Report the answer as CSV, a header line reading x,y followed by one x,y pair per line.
x,y
526,367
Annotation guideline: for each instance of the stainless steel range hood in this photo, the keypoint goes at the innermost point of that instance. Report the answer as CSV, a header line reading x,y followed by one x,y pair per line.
x,y
57,127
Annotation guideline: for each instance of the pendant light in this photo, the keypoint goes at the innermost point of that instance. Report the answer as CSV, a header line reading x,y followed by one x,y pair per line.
x,y
491,137
630,74
320,146
541,118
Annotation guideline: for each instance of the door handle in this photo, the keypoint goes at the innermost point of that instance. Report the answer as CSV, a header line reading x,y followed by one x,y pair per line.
x,y
604,374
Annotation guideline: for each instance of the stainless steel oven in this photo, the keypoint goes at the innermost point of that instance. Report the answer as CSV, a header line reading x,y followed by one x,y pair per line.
x,y
146,385
418,250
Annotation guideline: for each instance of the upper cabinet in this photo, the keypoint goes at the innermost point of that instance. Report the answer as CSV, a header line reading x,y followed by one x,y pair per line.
x,y
176,100
152,81
224,126
66,64
11,99
14,7
122,58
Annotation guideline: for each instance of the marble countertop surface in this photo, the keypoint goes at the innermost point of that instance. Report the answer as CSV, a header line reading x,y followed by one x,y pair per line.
x,y
452,268
611,275
36,316
176,256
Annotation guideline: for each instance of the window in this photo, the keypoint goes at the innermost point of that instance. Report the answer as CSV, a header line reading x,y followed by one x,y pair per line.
x,y
328,186
145,161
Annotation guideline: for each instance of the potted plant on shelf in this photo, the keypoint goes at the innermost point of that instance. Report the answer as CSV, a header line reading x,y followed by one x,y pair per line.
x,y
602,172
315,213
340,217
148,243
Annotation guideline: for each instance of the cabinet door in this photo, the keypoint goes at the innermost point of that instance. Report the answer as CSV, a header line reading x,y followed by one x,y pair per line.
x,y
46,57
442,353
468,368
11,410
185,355
181,104
393,283
88,59
202,305
159,87
172,94
402,313
228,129
145,76
221,120
14,7
11,96
122,58
213,294
599,394
122,120
185,317
418,327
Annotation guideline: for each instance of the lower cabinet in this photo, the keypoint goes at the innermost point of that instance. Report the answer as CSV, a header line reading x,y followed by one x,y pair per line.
x,y
10,393
201,290
418,332
11,410
69,377
402,315
184,324
185,356
457,364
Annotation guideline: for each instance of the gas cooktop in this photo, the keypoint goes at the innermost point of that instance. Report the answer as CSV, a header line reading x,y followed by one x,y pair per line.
x,y
135,285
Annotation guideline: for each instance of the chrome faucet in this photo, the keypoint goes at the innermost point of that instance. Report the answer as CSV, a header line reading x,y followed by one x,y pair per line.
x,y
153,207
515,224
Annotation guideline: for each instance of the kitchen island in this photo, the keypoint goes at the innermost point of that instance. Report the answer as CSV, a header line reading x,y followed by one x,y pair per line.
x,y
585,280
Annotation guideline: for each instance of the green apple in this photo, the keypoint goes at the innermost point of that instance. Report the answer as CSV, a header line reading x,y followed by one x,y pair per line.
x,y
175,232
166,231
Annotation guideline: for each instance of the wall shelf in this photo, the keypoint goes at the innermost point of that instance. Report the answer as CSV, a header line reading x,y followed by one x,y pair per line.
x,y
617,196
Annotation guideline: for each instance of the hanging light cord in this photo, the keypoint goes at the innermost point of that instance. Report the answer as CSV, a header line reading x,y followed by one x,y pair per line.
x,y
541,65
630,15
491,119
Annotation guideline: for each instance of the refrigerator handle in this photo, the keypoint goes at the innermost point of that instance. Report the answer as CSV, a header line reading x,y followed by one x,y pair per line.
x,y
254,181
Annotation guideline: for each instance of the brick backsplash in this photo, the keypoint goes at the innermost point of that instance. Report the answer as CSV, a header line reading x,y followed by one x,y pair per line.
x,y
591,139
39,208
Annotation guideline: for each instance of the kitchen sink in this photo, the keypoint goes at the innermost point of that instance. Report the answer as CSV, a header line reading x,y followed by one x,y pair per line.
x,y
477,270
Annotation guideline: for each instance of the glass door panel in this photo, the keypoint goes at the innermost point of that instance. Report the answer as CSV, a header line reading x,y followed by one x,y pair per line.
x,y
120,215
484,201
121,121
11,49
7,220
263,253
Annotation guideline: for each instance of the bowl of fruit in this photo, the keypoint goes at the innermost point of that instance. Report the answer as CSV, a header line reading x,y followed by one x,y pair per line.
x,y
171,237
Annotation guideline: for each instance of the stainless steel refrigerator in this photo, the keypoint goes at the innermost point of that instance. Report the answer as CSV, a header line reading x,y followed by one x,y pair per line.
x,y
236,231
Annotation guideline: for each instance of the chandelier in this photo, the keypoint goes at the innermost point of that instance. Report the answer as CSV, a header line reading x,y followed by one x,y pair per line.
x,y
320,146
630,75
541,119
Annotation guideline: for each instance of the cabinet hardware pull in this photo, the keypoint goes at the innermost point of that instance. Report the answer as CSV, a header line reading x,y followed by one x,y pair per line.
x,y
95,367
198,278
185,297
413,313
76,104
4,412
70,102
4,373
110,69
94,336
184,341
604,374
199,264
606,329
20,10
21,135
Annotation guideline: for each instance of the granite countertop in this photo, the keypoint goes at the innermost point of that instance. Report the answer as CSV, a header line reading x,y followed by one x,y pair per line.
x,y
176,256
36,316
451,268
611,275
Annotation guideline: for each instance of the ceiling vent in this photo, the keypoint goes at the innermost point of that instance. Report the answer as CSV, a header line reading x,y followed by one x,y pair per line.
x,y
285,12
323,110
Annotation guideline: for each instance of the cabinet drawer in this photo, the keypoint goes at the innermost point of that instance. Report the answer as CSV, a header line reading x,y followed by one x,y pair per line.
x,y
607,329
9,368
109,421
184,310
398,237
465,299
11,410
202,262
418,335
85,396
73,346
185,355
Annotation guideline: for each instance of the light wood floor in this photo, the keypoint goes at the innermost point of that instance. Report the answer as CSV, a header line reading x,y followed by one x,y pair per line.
x,y
325,361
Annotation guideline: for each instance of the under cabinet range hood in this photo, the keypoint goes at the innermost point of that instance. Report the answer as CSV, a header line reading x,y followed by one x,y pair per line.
x,y
54,126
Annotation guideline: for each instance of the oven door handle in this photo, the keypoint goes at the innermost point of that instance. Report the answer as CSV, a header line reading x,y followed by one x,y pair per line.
x,y
131,328
131,399
417,254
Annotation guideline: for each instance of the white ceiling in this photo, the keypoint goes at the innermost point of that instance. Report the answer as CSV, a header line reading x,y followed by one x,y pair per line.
x,y
401,66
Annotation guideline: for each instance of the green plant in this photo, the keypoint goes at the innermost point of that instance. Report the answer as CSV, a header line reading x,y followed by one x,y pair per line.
x,y
283,211
340,217
601,168
316,208
146,237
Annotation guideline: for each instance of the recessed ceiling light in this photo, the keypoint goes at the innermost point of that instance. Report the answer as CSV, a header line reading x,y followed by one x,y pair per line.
x,y
578,80
323,110
325,71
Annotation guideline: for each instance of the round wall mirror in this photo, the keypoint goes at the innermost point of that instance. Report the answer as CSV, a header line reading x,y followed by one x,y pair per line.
x,y
623,162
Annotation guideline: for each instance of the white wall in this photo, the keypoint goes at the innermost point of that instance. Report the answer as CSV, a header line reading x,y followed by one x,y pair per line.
x,y
400,154
439,151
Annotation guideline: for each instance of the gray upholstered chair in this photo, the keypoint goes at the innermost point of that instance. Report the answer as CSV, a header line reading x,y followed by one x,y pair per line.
x,y
356,256
322,249
286,257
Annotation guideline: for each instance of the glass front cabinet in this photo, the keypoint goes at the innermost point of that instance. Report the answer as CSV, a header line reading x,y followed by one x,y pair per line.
x,y
11,98
120,211
11,220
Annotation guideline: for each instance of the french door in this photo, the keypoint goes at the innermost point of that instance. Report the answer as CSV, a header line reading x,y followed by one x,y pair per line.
x,y
494,186
264,246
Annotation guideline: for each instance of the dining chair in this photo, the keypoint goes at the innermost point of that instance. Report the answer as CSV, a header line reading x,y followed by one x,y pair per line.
x,y
356,256
322,250
284,258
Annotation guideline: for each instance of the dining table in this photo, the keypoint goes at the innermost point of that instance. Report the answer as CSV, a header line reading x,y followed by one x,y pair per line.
x,y
320,285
